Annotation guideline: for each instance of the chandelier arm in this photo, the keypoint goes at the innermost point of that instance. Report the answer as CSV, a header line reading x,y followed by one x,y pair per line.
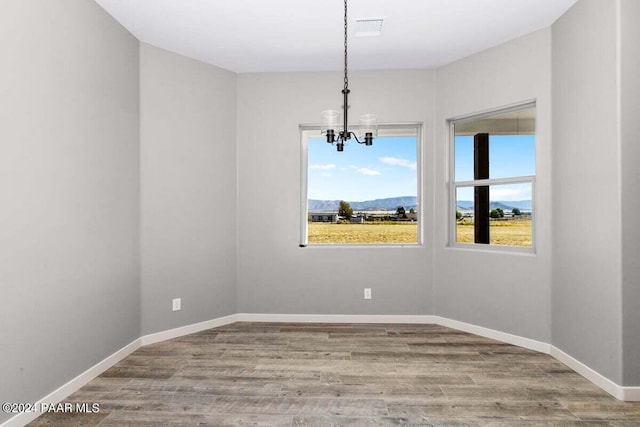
x,y
356,138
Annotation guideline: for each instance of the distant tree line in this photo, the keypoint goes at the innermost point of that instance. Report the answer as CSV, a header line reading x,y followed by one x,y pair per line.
x,y
495,213
346,211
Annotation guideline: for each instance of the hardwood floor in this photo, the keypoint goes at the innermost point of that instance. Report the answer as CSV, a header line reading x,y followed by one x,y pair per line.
x,y
341,375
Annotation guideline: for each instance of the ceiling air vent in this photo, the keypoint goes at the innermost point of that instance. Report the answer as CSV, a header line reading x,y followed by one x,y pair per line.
x,y
366,27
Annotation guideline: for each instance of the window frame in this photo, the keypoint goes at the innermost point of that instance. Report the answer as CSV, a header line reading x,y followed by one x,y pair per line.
x,y
454,185
304,129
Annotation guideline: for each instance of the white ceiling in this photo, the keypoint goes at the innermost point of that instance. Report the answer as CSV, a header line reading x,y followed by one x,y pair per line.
x,y
307,35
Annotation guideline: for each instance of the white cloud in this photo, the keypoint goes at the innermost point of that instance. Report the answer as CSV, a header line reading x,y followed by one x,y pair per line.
x,y
323,167
511,192
396,161
367,171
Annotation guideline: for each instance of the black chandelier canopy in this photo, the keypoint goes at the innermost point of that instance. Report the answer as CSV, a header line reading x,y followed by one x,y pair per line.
x,y
330,119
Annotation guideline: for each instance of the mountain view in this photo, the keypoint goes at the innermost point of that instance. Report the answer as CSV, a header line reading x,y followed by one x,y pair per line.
x,y
389,204
408,202
523,205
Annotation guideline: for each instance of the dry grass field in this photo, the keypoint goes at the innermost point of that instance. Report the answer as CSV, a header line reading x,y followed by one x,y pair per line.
x,y
514,232
367,233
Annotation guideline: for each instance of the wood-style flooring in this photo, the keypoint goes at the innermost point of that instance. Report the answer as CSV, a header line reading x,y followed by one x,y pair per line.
x,y
266,374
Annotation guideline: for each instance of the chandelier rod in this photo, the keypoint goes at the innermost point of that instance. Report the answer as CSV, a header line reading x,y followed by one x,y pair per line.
x,y
345,90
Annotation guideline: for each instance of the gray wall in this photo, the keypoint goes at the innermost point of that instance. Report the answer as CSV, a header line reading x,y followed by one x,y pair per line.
x,y
586,172
69,190
89,181
630,155
274,274
188,185
509,292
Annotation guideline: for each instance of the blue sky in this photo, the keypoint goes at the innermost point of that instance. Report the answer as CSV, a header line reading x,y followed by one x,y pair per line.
x,y
386,169
509,156
389,168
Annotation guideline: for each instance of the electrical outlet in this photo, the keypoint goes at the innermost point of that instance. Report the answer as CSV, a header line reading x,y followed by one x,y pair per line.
x,y
177,304
367,293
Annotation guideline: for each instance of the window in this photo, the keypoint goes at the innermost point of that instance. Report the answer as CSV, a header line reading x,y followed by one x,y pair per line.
x,y
369,195
493,178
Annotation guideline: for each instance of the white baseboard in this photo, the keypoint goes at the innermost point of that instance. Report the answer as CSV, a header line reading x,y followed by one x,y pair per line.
x,y
188,329
74,385
496,335
617,391
334,318
629,394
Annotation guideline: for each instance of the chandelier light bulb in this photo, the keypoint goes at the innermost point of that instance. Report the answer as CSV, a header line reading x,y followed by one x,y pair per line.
x,y
330,124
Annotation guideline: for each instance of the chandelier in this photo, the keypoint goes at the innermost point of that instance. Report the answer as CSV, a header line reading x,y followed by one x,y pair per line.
x,y
330,119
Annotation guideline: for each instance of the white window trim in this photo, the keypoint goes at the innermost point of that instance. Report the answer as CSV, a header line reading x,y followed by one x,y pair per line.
x,y
304,162
454,185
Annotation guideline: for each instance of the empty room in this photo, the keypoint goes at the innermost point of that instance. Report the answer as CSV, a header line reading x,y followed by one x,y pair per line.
x,y
319,212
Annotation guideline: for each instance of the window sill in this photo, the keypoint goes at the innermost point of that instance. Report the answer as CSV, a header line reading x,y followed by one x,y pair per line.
x,y
363,246
493,249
